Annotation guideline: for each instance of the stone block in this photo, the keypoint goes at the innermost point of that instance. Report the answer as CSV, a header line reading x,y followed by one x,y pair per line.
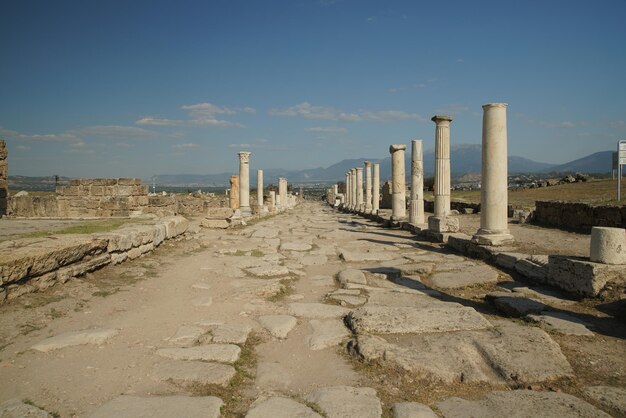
x,y
96,190
128,182
608,245
443,224
583,277
534,267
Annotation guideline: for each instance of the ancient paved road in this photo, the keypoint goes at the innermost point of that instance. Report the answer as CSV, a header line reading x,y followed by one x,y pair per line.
x,y
255,322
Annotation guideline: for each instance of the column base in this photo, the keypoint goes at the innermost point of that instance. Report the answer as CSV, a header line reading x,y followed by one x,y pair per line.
x,y
246,212
443,223
491,239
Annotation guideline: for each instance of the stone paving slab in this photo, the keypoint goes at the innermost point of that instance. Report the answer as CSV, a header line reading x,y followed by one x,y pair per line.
x,y
609,397
469,276
520,404
190,372
231,333
186,335
224,353
403,320
126,406
351,276
326,333
347,401
268,271
360,256
412,410
279,407
562,323
316,310
15,408
72,338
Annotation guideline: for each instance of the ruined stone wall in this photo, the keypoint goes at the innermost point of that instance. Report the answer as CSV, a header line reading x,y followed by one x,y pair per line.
x,y
185,205
4,175
578,216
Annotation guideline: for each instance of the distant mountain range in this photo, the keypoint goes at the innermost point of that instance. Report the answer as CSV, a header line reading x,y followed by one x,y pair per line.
x,y
465,158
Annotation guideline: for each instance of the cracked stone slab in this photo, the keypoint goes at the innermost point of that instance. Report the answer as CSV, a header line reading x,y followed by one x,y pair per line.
x,y
417,268
454,266
279,407
127,406
326,333
515,305
356,256
15,408
186,335
190,372
412,410
508,353
278,325
348,299
268,271
347,401
295,246
224,353
518,404
562,322
231,333
316,310
72,338
469,276
609,397
403,320
354,276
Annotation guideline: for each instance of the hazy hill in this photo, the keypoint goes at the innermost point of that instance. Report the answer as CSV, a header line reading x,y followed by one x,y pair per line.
x,y
599,162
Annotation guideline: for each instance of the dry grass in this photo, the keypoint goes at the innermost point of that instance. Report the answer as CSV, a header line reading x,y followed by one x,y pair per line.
x,y
597,192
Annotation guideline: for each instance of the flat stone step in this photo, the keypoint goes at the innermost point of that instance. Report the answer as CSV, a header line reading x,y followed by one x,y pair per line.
x,y
67,339
126,406
223,353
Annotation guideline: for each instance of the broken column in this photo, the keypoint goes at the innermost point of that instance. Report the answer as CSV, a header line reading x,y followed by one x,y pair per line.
x,y
4,176
233,197
244,183
259,191
376,189
416,206
282,193
359,189
368,187
346,191
398,182
494,178
273,200
441,221
608,245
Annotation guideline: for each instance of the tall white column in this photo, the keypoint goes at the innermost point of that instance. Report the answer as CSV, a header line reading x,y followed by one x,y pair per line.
x,y
441,221
282,193
368,187
259,189
376,189
494,228
354,186
347,191
244,183
398,182
416,214
273,200
359,189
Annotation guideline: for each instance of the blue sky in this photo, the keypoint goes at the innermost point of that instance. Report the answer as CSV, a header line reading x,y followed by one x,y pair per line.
x,y
137,88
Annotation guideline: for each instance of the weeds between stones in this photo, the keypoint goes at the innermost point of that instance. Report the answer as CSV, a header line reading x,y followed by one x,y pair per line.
x,y
31,403
236,403
287,288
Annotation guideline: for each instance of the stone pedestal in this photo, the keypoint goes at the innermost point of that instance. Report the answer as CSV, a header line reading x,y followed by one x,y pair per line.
x,y
359,189
494,180
233,197
4,176
376,189
416,207
368,187
398,182
608,245
441,221
244,183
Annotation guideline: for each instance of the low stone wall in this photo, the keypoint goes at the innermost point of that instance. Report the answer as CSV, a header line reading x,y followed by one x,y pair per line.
x,y
32,264
578,216
429,206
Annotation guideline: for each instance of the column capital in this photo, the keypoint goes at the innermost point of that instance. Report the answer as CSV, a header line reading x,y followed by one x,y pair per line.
x,y
488,105
367,164
244,156
359,169
396,147
441,118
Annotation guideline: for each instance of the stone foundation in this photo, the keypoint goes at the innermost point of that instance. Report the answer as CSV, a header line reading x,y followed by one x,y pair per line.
x,y
578,216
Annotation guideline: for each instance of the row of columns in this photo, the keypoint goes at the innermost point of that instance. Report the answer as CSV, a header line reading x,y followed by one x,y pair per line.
x,y
494,192
240,189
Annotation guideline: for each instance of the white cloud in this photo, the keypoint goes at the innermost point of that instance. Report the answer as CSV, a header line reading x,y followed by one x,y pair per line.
x,y
327,129
240,146
14,135
308,111
114,132
159,122
186,146
200,114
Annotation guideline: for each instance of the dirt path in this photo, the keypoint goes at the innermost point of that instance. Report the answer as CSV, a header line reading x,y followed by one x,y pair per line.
x,y
254,319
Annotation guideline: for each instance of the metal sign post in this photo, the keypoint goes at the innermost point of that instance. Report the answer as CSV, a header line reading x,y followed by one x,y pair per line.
x,y
621,160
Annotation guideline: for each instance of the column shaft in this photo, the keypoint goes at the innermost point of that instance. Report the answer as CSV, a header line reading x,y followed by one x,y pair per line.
x,y
359,189
244,182
398,182
368,186
354,188
376,189
416,216
442,165
259,189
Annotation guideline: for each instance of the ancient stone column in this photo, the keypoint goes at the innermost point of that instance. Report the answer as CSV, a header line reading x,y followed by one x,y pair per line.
x,y
244,183
494,228
273,200
233,197
376,189
353,187
4,176
441,221
398,181
347,191
282,193
608,245
368,187
359,189
416,208
259,189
